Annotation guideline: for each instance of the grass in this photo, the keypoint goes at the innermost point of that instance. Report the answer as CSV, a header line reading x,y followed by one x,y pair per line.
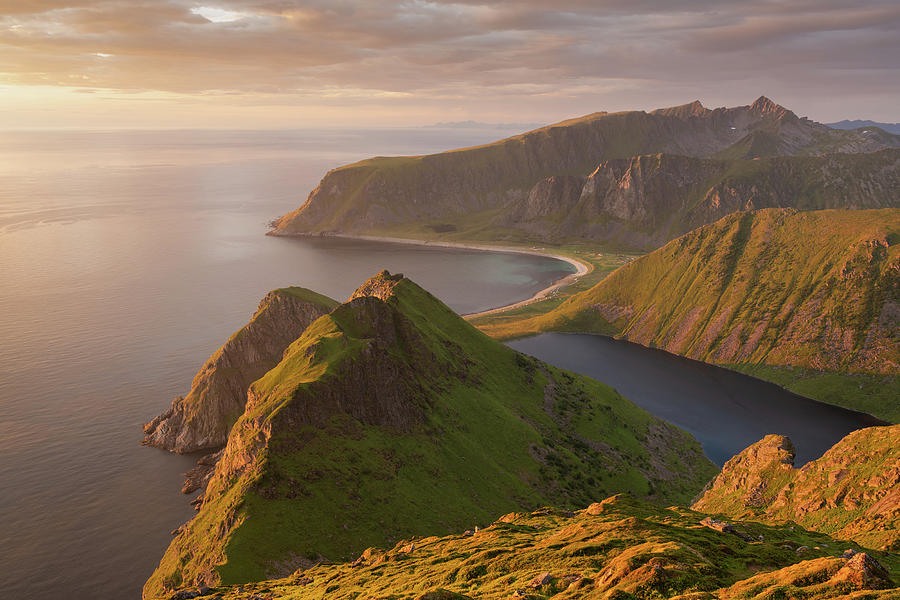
x,y
847,493
752,293
619,548
391,418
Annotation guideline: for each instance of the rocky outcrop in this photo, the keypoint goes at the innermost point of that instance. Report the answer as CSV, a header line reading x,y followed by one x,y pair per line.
x,y
201,419
852,492
539,185
645,201
392,416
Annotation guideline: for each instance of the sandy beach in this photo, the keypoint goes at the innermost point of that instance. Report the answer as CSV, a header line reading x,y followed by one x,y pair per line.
x,y
581,267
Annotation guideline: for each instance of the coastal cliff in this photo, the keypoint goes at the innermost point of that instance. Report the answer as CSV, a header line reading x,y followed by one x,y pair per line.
x,y
391,416
851,493
517,188
202,419
645,201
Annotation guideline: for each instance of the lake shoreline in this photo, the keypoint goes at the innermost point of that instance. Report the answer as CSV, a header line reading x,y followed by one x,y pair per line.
x,y
581,267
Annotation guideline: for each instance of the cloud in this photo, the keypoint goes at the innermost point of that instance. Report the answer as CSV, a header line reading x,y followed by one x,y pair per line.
x,y
433,50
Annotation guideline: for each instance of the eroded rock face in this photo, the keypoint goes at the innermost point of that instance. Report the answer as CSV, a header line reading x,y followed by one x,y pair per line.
x,y
852,492
648,200
201,419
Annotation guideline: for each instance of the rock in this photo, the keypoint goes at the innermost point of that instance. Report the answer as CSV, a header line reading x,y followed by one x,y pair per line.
x,y
199,476
594,509
725,527
184,595
863,572
541,580
802,549
202,419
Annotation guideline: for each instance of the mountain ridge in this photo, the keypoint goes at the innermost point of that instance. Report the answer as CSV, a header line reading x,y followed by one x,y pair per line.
x,y
462,193
751,292
385,401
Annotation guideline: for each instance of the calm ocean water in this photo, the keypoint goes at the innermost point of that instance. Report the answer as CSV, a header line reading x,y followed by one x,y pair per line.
x,y
125,260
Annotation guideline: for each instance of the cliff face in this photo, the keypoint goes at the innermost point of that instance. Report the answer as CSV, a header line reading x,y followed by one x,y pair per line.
x,y
471,192
616,548
851,493
645,201
201,419
391,416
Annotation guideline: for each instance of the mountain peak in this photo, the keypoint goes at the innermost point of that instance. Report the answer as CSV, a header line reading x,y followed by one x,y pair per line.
x,y
381,285
691,109
764,106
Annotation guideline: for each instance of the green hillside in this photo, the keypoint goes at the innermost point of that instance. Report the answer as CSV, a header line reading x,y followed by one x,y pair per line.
x,y
391,416
808,299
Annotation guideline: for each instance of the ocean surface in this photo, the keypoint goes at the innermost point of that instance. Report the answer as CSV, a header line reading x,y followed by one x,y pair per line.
x,y
127,258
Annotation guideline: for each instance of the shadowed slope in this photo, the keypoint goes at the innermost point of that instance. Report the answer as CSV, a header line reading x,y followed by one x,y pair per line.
x,y
201,420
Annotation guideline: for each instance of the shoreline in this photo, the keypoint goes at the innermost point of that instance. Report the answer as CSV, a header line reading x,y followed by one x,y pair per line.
x,y
581,267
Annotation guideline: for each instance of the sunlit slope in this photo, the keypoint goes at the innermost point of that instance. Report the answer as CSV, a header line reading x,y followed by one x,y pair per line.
x,y
852,492
764,290
392,416
619,548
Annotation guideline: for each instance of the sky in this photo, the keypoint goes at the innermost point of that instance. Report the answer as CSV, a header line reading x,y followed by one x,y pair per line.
x,y
350,63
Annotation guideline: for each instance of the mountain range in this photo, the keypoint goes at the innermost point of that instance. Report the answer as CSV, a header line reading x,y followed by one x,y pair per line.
x,y
632,178
339,435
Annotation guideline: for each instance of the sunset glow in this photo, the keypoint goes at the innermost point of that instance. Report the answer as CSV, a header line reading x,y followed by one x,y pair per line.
x,y
256,63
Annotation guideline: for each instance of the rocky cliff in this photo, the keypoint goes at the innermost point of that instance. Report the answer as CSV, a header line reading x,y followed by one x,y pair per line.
x,y
201,419
618,548
470,193
816,290
391,416
645,201
851,493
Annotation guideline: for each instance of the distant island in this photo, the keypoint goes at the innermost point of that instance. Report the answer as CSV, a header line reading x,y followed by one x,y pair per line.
x,y
858,124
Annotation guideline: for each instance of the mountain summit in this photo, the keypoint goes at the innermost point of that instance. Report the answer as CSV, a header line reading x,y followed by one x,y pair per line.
x,y
391,416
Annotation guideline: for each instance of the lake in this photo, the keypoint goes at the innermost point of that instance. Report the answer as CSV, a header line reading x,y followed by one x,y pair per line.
x,y
726,411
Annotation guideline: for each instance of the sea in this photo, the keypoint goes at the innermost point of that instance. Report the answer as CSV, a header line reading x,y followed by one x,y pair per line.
x,y
128,257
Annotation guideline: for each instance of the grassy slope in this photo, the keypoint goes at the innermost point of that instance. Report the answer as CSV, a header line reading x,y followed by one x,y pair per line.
x,y
752,291
620,548
494,437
